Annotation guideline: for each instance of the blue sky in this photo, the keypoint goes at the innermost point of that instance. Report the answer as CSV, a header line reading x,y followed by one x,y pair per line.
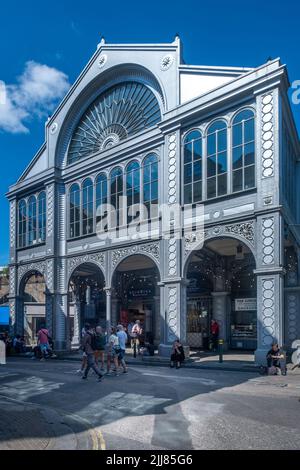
x,y
63,35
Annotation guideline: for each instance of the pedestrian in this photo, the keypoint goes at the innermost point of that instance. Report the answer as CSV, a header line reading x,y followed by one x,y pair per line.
x,y
43,342
84,356
276,359
122,343
100,340
136,333
89,347
214,331
114,351
177,354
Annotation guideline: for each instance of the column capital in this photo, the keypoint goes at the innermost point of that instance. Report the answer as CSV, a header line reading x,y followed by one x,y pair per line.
x,y
270,271
108,290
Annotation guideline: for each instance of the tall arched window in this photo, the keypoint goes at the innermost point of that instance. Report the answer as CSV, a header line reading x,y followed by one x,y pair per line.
x,y
243,151
217,159
32,221
87,207
22,223
101,195
132,186
192,167
74,198
150,184
116,191
42,217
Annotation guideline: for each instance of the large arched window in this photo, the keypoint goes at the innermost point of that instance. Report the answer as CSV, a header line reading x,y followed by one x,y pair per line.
x,y
132,186
74,201
87,207
192,167
32,221
217,159
118,113
150,184
243,151
116,191
22,223
101,196
42,217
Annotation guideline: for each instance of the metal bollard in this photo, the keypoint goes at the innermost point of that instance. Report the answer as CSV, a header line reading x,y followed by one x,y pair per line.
x,y
221,343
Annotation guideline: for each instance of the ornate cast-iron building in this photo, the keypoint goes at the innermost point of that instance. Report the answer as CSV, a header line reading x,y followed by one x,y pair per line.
x,y
140,122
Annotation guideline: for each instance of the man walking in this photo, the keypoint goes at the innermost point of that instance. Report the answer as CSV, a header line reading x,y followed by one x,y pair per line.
x,y
122,344
88,346
214,330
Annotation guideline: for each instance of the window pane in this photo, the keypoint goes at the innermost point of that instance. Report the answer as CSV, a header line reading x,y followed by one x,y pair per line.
x,y
211,166
211,188
249,130
222,162
237,135
222,141
249,154
193,135
188,194
197,170
188,173
197,149
211,144
147,173
237,180
188,153
147,192
197,191
243,115
250,177
237,157
222,185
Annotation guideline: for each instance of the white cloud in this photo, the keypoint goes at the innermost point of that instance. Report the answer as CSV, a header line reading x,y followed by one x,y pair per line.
x,y
35,94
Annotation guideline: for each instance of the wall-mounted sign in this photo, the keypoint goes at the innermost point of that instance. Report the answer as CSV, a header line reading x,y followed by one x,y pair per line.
x,y
245,305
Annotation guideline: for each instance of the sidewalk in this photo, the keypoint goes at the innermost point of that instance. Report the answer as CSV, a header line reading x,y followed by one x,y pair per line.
x,y
198,360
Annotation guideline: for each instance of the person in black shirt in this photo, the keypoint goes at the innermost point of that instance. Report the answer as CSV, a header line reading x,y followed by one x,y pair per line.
x,y
177,355
276,358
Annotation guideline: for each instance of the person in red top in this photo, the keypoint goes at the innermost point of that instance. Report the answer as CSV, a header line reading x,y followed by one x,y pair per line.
x,y
43,342
214,331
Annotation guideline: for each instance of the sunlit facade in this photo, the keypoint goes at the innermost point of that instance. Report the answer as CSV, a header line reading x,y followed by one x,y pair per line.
x,y
141,123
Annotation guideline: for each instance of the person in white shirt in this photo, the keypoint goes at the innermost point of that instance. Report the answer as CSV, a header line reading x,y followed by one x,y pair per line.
x,y
122,343
114,350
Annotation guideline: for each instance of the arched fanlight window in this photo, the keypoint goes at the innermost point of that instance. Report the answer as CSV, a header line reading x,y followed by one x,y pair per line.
x,y
192,167
243,151
132,186
118,113
217,159
42,217
22,223
32,221
150,185
87,207
101,196
74,208
116,191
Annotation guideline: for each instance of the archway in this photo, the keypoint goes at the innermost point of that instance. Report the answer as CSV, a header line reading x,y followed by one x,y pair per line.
x,y
86,301
135,294
221,285
33,306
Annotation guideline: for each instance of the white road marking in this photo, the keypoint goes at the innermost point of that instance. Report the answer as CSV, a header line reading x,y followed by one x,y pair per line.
x,y
182,378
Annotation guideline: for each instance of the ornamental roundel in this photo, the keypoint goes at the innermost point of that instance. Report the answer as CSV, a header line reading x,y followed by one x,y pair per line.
x,y
166,62
118,113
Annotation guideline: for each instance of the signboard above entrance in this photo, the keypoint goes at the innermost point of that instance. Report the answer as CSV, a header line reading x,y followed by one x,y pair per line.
x,y
242,305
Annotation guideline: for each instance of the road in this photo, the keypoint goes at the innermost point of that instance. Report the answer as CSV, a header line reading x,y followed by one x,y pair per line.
x,y
46,405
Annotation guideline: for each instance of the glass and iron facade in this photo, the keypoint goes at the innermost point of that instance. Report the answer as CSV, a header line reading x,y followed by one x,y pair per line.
x,y
138,132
